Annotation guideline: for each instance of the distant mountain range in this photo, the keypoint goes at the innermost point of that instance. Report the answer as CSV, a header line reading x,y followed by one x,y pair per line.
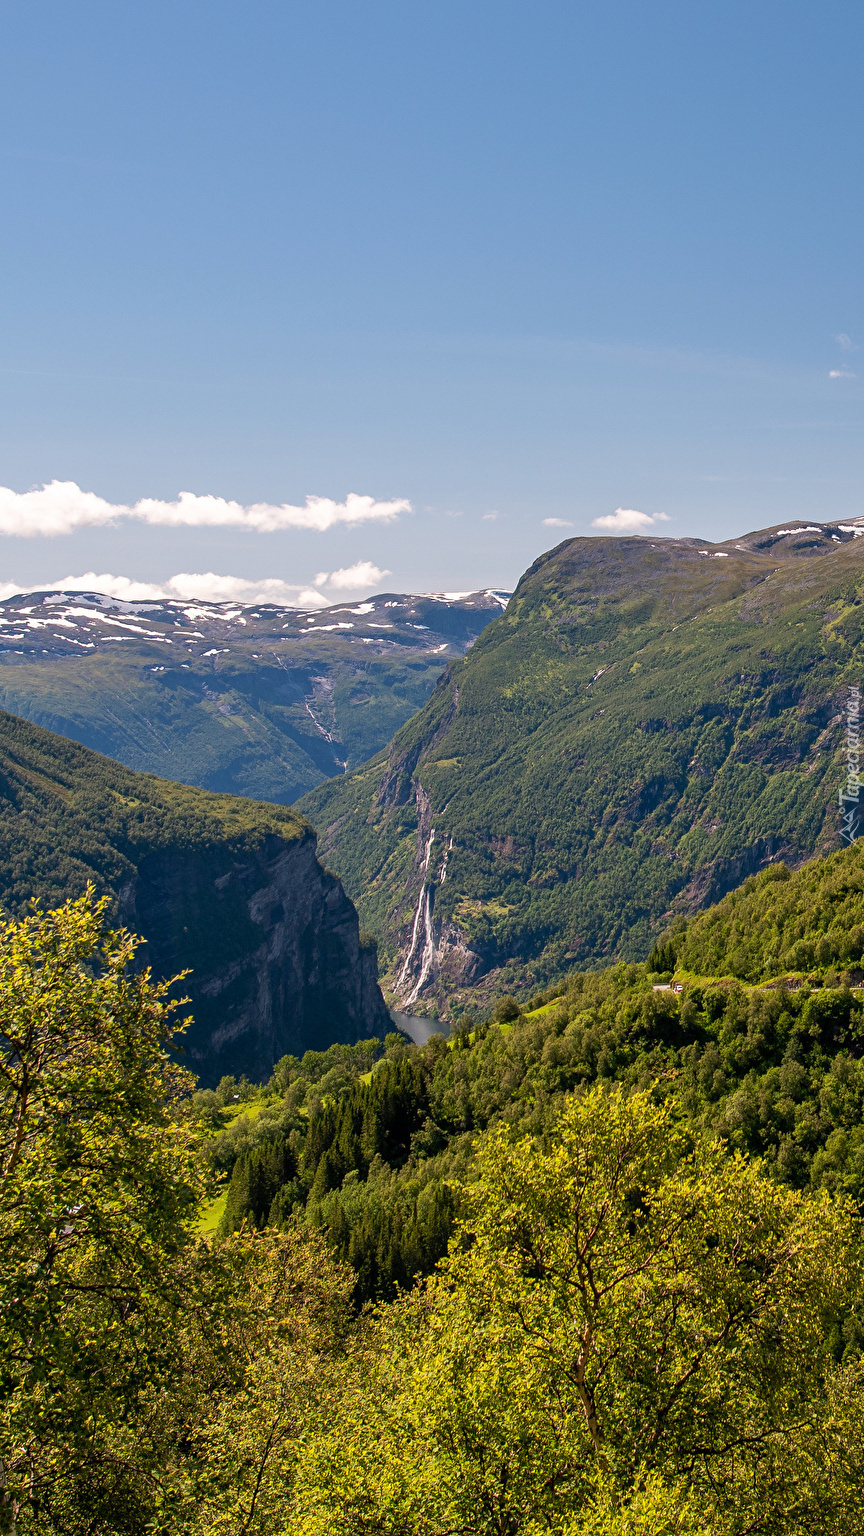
x,y
253,699
649,722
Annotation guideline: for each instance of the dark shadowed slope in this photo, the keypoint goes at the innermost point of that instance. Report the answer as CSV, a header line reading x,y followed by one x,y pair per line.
x,y
228,887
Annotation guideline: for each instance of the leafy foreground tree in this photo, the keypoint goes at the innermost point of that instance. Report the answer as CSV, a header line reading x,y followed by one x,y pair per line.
x,y
129,1348
99,1184
623,1319
280,1369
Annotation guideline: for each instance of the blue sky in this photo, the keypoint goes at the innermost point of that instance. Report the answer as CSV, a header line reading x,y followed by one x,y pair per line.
x,y
540,261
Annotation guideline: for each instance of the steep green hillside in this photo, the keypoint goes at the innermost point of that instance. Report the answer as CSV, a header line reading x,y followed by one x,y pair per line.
x,y
777,924
648,723
226,887
69,817
253,700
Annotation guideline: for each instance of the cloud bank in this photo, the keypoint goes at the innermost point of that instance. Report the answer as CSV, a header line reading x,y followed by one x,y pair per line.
x,y
208,587
626,520
62,507
194,586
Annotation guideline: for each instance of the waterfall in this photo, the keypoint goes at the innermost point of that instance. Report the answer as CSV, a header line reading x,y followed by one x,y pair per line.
x,y
422,944
428,955
423,909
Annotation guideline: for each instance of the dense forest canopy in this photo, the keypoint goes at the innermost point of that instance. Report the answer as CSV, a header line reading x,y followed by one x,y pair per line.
x,y
774,1071
590,1267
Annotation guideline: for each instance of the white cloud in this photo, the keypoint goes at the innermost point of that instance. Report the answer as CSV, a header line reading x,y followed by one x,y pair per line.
x,y
626,520
490,517
556,522
111,586
204,586
354,577
62,507
846,342
308,598
208,587
200,586
841,373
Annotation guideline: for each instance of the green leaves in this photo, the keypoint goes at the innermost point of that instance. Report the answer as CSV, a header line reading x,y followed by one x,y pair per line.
x,y
663,1290
628,1337
635,1332
255,1402
99,1187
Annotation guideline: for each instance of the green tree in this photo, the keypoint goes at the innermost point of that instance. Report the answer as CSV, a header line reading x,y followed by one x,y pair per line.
x,y
655,1509
100,1182
620,1308
254,1400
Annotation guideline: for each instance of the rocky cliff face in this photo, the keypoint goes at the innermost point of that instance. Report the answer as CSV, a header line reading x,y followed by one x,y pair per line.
x,y
280,967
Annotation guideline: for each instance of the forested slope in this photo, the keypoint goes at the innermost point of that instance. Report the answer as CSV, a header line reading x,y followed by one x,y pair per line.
x,y
648,1321
809,923
774,1070
648,723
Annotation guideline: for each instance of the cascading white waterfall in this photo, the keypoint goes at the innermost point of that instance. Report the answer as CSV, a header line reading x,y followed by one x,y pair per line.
x,y
443,875
422,906
422,936
428,954
415,933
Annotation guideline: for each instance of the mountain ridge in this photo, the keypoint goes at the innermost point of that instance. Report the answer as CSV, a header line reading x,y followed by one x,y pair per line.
x,y
649,722
256,698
